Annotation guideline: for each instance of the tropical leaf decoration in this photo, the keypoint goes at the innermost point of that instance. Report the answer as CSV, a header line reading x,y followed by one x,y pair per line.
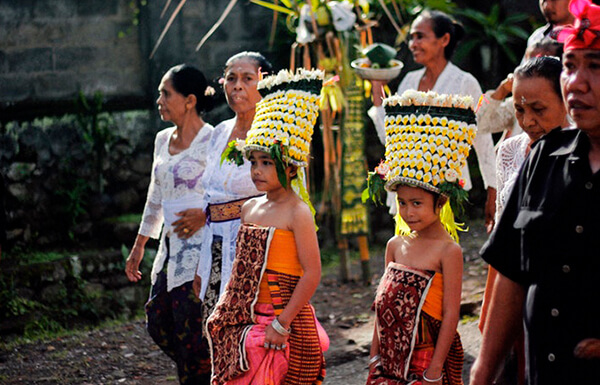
x,y
233,153
278,152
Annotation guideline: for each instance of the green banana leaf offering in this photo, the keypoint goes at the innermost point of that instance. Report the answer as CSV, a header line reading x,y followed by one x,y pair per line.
x,y
380,55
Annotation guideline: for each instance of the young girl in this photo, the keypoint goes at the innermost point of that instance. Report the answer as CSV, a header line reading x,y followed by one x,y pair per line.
x,y
418,300
263,329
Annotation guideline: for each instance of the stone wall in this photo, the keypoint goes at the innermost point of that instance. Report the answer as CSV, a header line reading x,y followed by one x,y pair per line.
x,y
52,49
78,288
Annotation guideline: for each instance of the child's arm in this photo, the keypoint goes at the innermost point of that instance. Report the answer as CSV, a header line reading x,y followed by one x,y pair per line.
x,y
303,227
452,267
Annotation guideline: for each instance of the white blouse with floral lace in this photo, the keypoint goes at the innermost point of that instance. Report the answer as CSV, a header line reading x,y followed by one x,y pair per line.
x,y
175,177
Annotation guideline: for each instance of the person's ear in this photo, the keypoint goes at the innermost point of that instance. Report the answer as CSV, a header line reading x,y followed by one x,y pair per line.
x,y
445,40
293,171
190,101
441,202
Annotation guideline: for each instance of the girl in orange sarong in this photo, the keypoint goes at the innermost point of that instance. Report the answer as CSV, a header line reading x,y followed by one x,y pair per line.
x,y
263,330
417,305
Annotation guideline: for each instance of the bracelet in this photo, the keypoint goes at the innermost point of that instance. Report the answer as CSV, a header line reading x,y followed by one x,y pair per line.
x,y
431,379
374,359
279,328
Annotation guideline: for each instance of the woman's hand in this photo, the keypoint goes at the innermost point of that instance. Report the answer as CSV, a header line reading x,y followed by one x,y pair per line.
x,y
504,89
274,340
190,221
132,264
588,349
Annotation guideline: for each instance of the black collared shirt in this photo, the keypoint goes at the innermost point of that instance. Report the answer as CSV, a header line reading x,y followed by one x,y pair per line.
x,y
548,240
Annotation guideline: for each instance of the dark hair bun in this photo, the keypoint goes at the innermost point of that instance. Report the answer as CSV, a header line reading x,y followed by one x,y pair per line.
x,y
189,80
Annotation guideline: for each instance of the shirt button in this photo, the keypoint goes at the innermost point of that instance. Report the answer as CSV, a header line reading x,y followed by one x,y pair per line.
x,y
566,268
579,229
554,312
589,185
551,357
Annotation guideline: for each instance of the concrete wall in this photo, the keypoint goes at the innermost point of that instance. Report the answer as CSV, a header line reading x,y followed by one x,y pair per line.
x,y
52,49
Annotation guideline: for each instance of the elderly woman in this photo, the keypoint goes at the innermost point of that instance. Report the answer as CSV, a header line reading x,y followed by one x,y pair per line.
x,y
433,38
228,186
174,205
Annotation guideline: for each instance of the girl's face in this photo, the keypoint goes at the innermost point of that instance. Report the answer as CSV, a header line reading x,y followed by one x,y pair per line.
x,y
538,108
264,173
241,80
171,104
416,207
424,45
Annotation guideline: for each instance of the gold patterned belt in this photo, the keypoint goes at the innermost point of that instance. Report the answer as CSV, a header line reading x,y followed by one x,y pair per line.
x,y
228,211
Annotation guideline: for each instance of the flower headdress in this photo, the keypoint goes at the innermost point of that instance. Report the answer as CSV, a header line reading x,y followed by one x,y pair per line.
x,y
283,123
428,139
585,34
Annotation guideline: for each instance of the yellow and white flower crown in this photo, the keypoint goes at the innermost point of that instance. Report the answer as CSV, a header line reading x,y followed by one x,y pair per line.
x,y
286,114
428,138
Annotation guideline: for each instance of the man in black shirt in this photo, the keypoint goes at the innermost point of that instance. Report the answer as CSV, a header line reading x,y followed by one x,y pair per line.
x,y
546,245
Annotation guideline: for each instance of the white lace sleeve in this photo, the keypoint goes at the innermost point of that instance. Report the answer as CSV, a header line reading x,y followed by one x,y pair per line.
x,y
511,154
152,219
486,157
495,116
483,143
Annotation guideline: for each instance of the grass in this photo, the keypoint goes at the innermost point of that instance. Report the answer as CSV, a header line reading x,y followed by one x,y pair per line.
x,y
126,218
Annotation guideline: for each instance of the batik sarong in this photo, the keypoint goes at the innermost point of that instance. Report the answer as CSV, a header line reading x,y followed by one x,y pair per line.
x,y
237,324
408,334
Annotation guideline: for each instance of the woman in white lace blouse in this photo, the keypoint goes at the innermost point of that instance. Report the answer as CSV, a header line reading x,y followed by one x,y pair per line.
x,y
433,38
539,109
175,205
228,186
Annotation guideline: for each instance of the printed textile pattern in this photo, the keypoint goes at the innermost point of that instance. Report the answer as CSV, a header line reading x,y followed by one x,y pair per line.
x,y
233,315
174,321
307,365
354,218
398,302
214,283
429,330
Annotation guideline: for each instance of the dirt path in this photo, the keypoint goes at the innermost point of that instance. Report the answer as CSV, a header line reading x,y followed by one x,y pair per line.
x,y
124,354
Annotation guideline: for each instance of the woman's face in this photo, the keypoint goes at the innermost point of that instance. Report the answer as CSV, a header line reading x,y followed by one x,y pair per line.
x,y
538,108
171,104
241,79
424,45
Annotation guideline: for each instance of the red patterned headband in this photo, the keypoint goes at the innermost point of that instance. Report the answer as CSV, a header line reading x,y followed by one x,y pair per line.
x,y
585,34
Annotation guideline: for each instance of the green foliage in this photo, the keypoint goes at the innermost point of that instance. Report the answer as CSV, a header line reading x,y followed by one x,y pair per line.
x,y
97,127
11,304
74,195
126,218
492,30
